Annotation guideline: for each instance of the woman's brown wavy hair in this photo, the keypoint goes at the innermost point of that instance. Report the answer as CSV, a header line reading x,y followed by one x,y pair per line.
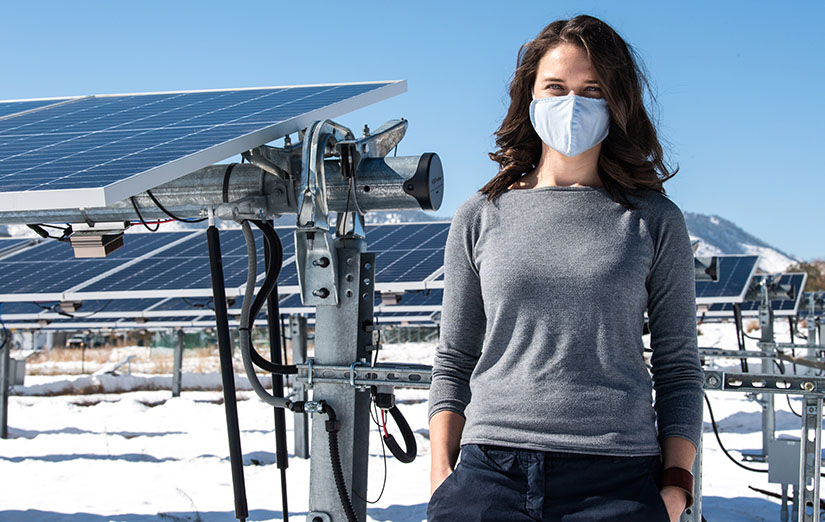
x,y
631,156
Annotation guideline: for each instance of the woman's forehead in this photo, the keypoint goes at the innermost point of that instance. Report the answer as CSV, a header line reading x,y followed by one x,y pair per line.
x,y
566,62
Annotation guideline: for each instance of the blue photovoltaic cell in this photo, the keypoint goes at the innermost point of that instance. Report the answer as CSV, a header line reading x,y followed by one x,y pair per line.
x,y
7,246
291,301
186,266
14,107
52,267
97,141
88,309
20,308
407,252
779,306
734,277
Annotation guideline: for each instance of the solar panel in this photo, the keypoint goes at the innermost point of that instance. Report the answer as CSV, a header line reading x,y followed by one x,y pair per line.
x,y
114,323
98,309
176,264
819,304
97,150
407,253
51,268
186,267
12,108
9,246
780,307
735,273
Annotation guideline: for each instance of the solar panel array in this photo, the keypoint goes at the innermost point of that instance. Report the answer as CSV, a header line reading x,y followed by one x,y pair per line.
x,y
166,274
780,307
735,273
50,266
97,150
176,264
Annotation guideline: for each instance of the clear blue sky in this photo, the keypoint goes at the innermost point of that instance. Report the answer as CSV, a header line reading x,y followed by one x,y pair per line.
x,y
739,83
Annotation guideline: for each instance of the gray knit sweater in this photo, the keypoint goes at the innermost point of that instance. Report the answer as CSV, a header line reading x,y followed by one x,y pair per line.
x,y
541,333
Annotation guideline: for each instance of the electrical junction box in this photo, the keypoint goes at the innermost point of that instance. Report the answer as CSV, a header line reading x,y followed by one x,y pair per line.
x,y
17,372
783,461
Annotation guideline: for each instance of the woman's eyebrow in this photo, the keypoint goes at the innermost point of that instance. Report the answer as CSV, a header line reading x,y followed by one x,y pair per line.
x,y
559,80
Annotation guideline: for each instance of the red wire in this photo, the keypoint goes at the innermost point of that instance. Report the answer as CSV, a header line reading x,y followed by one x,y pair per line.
x,y
384,422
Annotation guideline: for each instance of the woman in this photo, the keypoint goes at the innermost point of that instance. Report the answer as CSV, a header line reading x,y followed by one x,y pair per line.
x,y
550,268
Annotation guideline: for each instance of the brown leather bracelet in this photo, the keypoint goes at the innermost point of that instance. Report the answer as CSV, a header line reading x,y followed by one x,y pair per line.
x,y
680,478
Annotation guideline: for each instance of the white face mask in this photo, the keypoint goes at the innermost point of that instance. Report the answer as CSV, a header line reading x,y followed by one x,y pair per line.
x,y
570,124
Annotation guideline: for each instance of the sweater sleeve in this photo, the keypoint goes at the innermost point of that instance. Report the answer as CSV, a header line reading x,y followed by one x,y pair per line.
x,y
463,321
677,373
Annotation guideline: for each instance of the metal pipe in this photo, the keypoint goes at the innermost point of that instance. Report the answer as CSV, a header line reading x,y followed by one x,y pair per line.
x,y
274,330
395,183
178,366
298,338
5,378
227,373
766,336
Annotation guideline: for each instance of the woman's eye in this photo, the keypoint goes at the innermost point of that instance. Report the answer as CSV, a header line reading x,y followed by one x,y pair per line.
x,y
554,86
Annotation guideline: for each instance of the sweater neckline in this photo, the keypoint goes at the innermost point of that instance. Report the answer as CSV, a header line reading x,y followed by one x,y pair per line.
x,y
560,188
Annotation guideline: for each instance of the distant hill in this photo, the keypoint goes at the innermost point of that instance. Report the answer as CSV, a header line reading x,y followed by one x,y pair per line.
x,y
717,235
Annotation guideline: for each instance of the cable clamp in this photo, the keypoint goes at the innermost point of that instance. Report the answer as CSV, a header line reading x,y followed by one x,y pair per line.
x,y
352,371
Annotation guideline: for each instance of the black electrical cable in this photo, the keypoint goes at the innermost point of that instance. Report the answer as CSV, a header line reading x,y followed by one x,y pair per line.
x,y
719,440
3,330
791,327
163,209
90,314
332,426
205,304
740,341
273,243
38,229
284,338
374,417
788,397
409,439
140,216
246,332
55,308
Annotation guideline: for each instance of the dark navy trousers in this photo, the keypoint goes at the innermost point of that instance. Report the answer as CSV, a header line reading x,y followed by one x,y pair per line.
x,y
496,483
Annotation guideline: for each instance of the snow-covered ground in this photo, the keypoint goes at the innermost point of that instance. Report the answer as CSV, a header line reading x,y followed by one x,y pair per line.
x,y
142,455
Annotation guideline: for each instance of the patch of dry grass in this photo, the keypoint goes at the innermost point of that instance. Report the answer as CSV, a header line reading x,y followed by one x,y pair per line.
x,y
157,361
751,326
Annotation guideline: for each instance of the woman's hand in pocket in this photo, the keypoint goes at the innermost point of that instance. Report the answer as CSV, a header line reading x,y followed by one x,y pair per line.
x,y
437,476
675,500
